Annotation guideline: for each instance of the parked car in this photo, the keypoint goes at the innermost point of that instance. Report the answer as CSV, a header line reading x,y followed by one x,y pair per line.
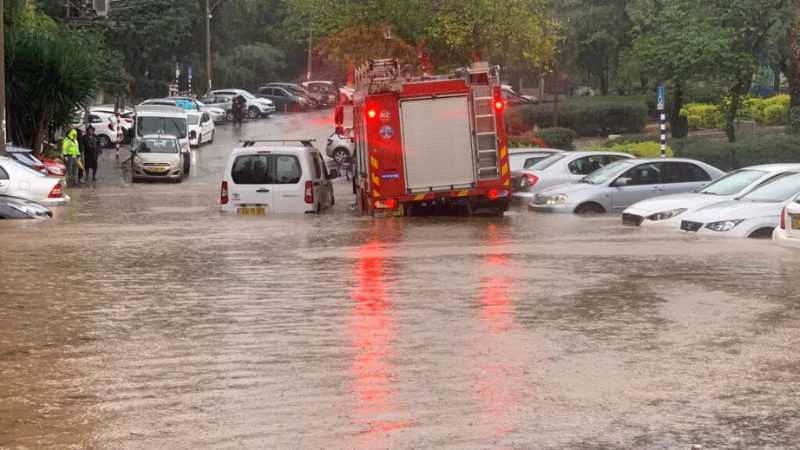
x,y
620,184
218,115
104,125
754,215
18,180
284,99
164,120
314,99
668,210
266,177
18,208
340,147
201,128
157,157
256,107
558,168
513,99
49,167
524,158
223,102
328,90
788,231
125,119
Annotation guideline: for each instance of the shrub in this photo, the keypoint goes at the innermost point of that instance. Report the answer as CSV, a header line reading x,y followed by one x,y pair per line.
x,y
703,116
587,116
529,139
746,152
773,115
648,149
560,138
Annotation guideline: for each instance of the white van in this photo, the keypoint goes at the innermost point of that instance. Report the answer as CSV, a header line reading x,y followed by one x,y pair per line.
x,y
267,177
164,120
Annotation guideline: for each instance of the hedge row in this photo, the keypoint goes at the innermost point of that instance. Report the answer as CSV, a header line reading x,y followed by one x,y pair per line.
x,y
638,149
587,116
769,111
746,152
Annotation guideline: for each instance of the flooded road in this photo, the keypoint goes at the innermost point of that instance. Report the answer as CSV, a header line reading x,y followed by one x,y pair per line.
x,y
141,318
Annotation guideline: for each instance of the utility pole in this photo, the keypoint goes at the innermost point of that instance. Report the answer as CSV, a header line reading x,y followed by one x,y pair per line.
x,y
308,74
208,43
2,80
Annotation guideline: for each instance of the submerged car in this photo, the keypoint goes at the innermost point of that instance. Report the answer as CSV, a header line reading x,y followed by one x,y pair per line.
x,y
559,168
340,147
18,180
525,158
620,184
18,208
788,231
754,215
668,210
26,157
157,157
201,128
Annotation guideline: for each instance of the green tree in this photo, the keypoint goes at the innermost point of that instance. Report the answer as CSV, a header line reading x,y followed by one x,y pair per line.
x,y
48,77
249,66
793,72
597,33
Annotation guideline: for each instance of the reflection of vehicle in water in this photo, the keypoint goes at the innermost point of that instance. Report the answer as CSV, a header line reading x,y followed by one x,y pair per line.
x,y
161,121
429,141
156,158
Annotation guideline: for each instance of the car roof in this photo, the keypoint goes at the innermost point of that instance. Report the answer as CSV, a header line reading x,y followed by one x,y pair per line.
x,y
297,149
160,110
159,136
518,150
669,159
773,167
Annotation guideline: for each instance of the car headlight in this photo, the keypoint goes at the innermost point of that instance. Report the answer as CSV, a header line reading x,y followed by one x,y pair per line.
x,y
724,225
664,215
558,199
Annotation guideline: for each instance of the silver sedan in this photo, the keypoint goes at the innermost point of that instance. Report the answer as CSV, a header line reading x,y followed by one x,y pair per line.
x,y
618,185
17,180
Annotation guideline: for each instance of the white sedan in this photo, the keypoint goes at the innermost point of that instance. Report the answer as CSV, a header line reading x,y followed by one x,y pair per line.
x,y
788,231
17,180
558,168
667,210
201,128
755,215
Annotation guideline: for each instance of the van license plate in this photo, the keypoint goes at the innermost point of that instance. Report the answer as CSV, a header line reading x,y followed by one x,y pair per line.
x,y
795,221
397,212
252,211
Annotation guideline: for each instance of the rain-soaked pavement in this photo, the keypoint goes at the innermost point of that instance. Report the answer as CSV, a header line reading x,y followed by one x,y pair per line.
x,y
141,318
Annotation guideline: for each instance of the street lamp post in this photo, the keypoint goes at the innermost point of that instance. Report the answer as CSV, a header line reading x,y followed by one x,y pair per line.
x,y
209,9
2,81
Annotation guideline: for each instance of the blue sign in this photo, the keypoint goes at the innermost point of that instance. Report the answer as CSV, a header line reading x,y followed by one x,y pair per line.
x,y
662,94
390,176
386,132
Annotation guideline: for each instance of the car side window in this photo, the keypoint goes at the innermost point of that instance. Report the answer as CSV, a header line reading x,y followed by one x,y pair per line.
x,y
529,162
586,165
684,172
644,174
94,119
280,93
3,174
206,117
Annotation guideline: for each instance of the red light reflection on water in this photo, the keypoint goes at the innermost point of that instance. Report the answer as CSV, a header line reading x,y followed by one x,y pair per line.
x,y
498,378
372,331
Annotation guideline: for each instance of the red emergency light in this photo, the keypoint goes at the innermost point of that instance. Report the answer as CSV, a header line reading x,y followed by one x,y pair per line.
x,y
372,113
498,105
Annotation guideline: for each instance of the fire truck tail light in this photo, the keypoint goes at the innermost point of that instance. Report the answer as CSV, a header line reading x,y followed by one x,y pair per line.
x,y
494,194
385,204
391,203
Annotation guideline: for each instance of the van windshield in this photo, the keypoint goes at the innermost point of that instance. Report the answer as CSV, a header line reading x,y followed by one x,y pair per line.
x,y
172,126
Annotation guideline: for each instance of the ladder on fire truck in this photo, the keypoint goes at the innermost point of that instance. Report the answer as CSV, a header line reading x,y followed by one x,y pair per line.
x,y
485,139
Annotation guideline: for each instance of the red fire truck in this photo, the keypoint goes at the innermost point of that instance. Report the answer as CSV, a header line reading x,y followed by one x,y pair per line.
x,y
430,141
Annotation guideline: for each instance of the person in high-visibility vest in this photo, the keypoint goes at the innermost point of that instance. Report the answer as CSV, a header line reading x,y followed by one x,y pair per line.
x,y
71,152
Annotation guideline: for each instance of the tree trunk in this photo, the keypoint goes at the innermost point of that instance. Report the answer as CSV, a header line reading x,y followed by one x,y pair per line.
x,y
731,111
674,113
793,126
776,78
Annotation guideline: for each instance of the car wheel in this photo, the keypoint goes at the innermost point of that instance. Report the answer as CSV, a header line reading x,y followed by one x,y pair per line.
x,y
762,233
341,155
590,208
104,141
253,113
229,116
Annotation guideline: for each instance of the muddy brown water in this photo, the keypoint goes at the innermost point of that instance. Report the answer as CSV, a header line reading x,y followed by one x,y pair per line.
x,y
142,318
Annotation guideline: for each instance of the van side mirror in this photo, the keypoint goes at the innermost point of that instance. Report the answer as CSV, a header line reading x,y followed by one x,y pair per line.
x,y
333,174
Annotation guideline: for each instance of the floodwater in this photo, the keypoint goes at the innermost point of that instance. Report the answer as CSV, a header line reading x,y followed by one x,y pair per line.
x,y
141,318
